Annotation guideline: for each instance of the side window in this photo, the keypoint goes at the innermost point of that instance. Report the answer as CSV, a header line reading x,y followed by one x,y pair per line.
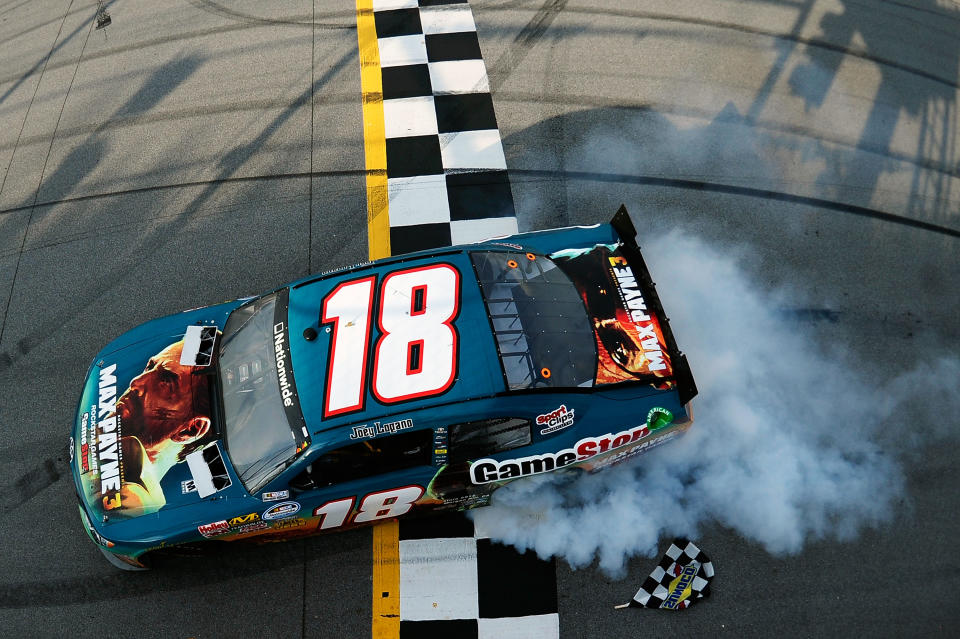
x,y
367,458
474,440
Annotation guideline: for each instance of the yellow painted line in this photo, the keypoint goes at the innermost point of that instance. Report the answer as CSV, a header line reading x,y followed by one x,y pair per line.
x,y
386,580
386,536
374,134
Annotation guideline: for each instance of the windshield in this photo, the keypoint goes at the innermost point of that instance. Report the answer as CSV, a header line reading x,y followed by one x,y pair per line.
x,y
263,426
544,335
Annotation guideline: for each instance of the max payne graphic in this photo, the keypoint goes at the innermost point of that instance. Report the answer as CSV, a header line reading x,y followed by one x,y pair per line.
x,y
136,438
630,344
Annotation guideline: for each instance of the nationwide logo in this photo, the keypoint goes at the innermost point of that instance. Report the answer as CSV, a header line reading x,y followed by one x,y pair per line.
x,y
555,420
279,335
680,587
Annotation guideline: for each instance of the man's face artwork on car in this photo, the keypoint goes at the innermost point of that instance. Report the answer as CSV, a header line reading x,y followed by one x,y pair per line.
x,y
159,407
162,416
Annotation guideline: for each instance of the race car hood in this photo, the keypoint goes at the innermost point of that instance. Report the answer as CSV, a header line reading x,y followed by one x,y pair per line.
x,y
145,415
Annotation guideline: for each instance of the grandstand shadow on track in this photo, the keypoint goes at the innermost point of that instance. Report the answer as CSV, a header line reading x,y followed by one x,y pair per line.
x,y
845,161
934,103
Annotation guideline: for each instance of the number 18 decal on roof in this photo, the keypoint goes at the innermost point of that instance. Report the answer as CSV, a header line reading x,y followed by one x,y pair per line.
x,y
416,353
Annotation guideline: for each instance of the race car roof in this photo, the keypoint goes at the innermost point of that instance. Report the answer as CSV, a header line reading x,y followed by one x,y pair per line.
x,y
356,367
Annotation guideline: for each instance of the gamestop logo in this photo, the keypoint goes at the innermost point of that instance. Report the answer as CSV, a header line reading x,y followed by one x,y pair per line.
x,y
555,420
484,471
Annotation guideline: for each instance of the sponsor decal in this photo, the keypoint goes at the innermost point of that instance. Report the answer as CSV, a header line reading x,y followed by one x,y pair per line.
x,y
140,426
235,526
84,447
466,502
440,446
659,417
275,495
215,528
680,587
244,519
252,527
72,446
630,343
647,334
388,428
632,451
484,471
284,524
508,245
555,420
279,337
187,486
162,544
109,454
282,510
285,373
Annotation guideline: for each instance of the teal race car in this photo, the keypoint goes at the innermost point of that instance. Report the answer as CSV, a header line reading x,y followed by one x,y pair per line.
x,y
408,385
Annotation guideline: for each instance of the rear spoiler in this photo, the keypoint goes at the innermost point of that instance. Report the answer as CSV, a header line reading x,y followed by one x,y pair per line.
x,y
621,222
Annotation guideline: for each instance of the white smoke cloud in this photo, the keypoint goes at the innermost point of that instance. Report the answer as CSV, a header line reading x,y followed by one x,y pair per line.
x,y
788,444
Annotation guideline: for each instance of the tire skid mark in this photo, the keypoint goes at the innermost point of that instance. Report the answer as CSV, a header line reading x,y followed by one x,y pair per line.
x,y
216,8
7,358
177,185
702,114
179,114
529,36
33,482
730,189
549,11
221,566
503,96
164,232
811,42
179,37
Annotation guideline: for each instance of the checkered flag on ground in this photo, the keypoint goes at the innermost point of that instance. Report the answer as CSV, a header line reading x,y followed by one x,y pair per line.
x,y
681,579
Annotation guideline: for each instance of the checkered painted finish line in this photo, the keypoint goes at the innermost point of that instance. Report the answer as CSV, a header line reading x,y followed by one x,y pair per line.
x,y
446,172
454,582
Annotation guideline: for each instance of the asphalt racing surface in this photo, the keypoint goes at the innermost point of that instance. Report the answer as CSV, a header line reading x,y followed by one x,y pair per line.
x,y
194,152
